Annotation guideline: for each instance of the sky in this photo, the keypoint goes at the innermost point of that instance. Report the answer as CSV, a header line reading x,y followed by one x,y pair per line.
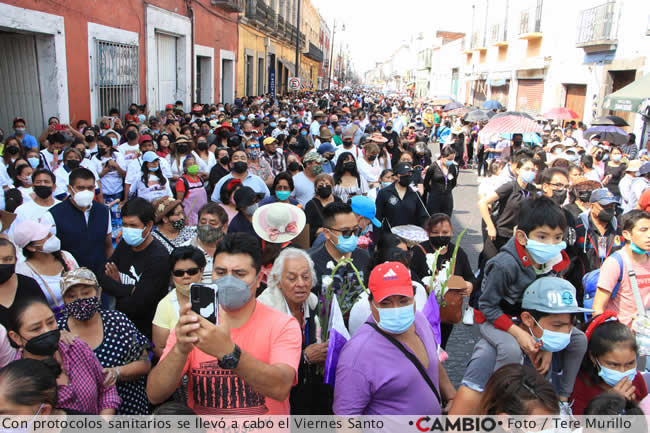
x,y
375,28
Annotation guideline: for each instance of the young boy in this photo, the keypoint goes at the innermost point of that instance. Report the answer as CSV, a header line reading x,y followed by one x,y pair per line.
x,y
547,308
535,250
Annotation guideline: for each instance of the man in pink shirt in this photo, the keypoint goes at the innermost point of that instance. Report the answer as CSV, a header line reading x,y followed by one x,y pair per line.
x,y
636,231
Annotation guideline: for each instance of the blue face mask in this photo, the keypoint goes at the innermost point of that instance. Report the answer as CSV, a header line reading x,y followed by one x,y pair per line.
x,y
634,247
527,176
235,121
114,141
396,320
385,184
552,341
303,132
154,169
33,161
242,117
612,377
273,124
347,245
282,195
449,163
543,253
132,236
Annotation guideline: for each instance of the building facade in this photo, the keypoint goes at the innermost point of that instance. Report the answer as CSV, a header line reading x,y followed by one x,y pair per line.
x,y
78,59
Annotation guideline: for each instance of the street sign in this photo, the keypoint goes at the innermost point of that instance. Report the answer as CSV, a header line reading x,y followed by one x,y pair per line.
x,y
294,83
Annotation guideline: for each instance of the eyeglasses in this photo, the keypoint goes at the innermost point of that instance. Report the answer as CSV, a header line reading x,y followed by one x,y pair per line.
x,y
559,186
347,232
180,272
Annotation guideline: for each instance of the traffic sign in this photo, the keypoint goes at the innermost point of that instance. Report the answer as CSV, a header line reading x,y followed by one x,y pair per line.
x,y
294,83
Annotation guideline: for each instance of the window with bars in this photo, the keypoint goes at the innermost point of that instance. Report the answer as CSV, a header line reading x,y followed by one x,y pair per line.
x,y
116,76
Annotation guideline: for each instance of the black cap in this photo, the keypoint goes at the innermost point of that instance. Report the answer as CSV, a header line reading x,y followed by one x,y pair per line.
x,y
234,140
244,197
403,168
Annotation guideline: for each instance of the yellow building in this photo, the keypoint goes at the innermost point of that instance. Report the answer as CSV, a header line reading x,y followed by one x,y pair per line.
x,y
267,41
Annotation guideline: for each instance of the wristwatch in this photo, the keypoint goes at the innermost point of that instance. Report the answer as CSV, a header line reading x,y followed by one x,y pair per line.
x,y
230,361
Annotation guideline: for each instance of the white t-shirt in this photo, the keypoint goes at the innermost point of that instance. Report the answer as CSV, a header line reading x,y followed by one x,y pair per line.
x,y
112,181
303,188
370,172
48,158
354,150
205,166
152,190
63,177
26,193
30,211
130,152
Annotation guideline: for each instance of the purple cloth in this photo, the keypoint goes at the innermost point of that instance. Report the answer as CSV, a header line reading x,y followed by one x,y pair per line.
x,y
431,311
373,377
334,347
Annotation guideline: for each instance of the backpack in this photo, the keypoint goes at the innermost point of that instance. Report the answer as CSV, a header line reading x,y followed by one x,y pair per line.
x,y
590,284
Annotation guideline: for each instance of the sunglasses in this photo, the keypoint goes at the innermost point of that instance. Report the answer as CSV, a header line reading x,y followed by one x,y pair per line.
x,y
180,272
347,232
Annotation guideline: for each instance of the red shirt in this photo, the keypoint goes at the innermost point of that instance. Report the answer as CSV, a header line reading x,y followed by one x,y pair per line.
x,y
583,393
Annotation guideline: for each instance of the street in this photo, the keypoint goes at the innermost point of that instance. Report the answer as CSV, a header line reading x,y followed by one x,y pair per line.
x,y
465,216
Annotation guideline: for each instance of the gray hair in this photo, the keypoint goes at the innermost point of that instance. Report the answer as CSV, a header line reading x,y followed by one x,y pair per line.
x,y
275,276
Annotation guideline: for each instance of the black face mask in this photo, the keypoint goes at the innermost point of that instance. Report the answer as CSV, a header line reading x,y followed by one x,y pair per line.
x,y
324,191
347,143
388,128
181,148
133,111
584,196
516,143
202,145
405,180
335,124
372,158
90,138
45,344
131,135
559,197
599,157
6,271
224,160
439,241
349,166
294,166
606,215
13,150
101,151
72,164
239,167
43,191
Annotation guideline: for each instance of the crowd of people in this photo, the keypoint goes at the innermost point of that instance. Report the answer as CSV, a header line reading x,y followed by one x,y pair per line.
x,y
308,205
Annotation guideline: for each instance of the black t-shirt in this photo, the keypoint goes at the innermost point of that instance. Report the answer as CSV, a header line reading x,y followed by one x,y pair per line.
x,y
27,288
510,197
314,216
436,181
420,269
616,173
216,174
321,257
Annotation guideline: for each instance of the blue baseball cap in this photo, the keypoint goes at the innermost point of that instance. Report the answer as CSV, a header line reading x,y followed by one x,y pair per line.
x,y
552,295
150,156
365,206
602,196
326,148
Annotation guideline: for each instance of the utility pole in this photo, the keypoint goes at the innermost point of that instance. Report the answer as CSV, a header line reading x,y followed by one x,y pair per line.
x,y
329,75
298,40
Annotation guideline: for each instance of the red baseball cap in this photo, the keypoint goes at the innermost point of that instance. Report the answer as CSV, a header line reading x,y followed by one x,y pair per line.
x,y
644,200
169,107
390,278
145,137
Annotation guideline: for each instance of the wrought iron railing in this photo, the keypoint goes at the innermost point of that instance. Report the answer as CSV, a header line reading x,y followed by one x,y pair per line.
x,y
599,23
531,19
229,5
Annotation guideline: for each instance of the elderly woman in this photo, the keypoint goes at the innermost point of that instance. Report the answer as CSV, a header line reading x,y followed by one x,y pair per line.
x,y
82,383
289,290
187,264
171,226
120,348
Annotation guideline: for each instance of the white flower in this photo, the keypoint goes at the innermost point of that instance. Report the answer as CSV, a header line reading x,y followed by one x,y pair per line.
x,y
327,280
330,265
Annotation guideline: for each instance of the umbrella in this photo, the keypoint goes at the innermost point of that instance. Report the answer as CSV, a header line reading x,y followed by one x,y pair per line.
x,y
630,97
492,104
458,111
411,234
610,121
561,113
442,100
613,134
452,106
511,125
478,116
513,113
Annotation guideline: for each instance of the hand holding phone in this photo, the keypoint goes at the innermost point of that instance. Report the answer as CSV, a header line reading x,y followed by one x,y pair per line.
x,y
205,301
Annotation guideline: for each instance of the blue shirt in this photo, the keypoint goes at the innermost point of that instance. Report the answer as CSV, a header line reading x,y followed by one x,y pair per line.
x,y
29,141
253,181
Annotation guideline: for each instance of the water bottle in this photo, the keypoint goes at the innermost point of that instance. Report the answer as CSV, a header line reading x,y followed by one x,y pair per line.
x,y
116,222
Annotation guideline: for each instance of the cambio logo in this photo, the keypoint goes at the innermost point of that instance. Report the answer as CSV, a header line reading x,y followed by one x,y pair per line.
x,y
459,424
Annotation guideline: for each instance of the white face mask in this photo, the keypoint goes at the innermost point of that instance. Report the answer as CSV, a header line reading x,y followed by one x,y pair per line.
x,y
83,198
52,245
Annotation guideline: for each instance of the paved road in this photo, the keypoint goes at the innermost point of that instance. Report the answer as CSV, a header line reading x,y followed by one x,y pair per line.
x,y
466,215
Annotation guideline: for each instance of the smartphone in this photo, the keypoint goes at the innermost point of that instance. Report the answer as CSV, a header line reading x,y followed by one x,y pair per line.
x,y
205,301
59,127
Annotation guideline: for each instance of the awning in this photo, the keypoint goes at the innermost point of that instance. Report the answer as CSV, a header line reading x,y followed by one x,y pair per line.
x,y
630,97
